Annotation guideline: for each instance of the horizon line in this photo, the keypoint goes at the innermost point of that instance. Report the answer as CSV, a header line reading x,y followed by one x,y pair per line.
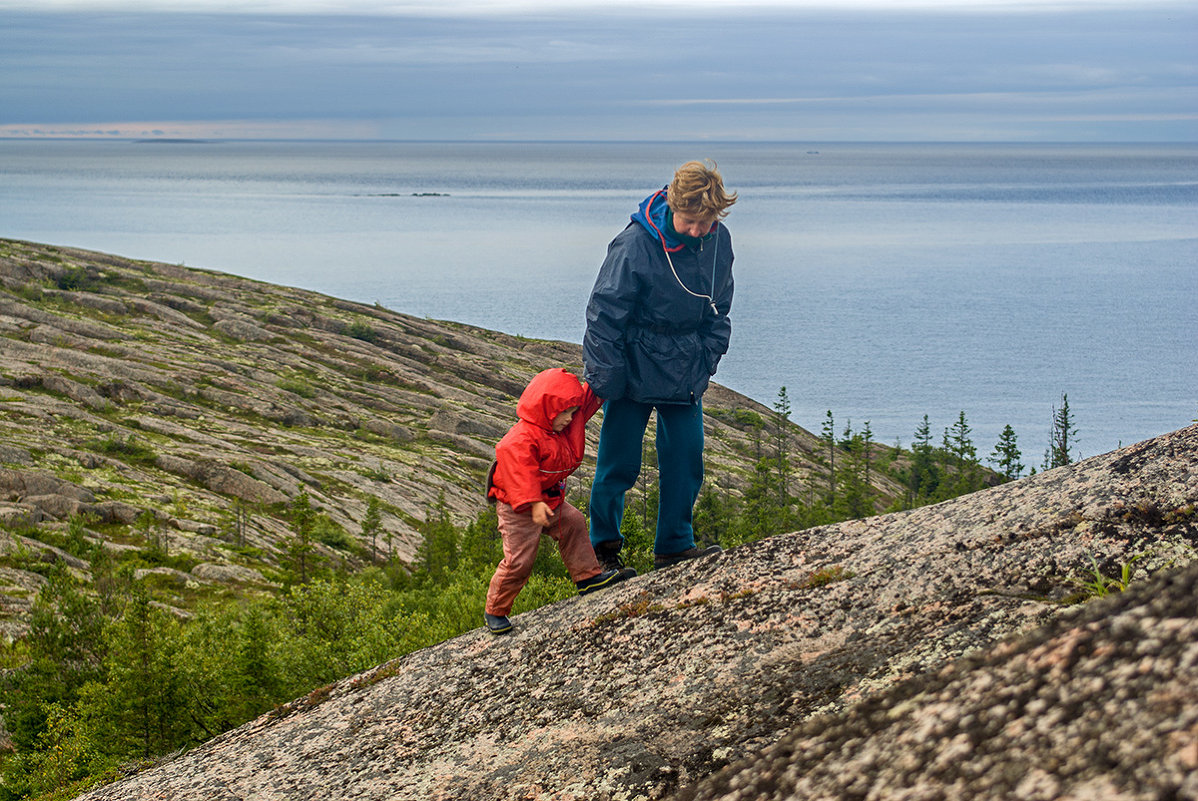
x,y
714,140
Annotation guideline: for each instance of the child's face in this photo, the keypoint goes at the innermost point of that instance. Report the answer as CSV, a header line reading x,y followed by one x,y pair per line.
x,y
563,419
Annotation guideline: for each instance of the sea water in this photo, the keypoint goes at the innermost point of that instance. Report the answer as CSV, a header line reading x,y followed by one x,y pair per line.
x,y
882,282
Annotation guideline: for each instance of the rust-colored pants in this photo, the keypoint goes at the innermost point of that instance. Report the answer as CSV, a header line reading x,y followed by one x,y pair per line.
x,y
521,536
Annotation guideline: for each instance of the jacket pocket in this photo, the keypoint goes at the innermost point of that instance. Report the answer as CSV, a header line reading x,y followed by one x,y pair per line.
x,y
670,368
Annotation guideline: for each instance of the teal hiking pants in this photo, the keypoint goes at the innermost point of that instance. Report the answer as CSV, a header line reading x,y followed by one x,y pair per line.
x,y
618,465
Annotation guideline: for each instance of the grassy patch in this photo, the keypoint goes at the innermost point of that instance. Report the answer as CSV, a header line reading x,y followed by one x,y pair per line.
x,y
155,555
30,292
312,699
375,473
325,530
13,653
129,449
24,558
643,604
827,575
125,281
111,353
297,386
1096,584
738,418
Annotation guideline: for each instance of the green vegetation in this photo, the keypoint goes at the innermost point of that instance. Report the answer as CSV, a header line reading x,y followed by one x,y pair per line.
x,y
129,448
1060,445
107,680
74,278
1097,584
297,386
779,497
828,575
1006,455
363,331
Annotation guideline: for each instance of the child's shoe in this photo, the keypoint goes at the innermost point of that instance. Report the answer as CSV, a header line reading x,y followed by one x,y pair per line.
x,y
498,624
604,579
661,560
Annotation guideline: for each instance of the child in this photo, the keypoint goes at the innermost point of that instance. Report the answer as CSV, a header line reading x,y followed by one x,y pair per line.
x,y
528,481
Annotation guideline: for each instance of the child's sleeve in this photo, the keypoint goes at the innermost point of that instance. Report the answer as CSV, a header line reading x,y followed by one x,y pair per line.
x,y
517,472
591,403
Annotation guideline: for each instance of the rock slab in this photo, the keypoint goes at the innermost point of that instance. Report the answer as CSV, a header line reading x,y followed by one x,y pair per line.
x,y
901,656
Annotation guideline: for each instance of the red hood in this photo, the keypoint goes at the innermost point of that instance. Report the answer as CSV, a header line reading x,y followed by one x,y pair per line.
x,y
549,394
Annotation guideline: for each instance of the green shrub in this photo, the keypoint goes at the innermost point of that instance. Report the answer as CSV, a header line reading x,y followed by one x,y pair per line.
x,y
73,278
129,448
297,386
328,532
363,331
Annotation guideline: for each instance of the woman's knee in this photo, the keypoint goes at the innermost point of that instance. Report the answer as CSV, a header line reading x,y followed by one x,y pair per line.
x,y
619,465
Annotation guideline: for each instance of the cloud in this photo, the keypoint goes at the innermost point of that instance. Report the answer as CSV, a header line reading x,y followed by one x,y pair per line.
x,y
793,73
955,100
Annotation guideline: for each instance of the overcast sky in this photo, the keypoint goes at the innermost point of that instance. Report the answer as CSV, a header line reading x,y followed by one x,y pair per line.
x,y
888,70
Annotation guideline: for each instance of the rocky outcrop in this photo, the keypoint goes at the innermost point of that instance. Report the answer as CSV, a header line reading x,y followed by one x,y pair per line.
x,y
228,574
937,653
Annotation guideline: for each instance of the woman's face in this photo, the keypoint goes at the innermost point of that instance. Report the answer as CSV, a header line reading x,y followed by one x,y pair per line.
x,y
692,225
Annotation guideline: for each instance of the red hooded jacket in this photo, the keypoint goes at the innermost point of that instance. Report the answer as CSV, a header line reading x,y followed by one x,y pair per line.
x,y
532,461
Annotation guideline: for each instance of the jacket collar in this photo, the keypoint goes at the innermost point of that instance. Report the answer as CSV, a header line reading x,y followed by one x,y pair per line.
x,y
654,216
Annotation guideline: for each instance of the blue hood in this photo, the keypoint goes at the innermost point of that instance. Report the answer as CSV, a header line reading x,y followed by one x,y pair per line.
x,y
655,217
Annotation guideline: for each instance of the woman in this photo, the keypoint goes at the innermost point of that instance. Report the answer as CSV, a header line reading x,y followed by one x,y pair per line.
x,y
657,325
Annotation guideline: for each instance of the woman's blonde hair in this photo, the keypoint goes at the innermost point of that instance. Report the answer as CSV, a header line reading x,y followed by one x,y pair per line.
x,y
698,190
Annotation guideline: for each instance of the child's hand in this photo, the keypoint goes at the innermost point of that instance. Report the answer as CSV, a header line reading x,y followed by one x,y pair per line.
x,y
542,515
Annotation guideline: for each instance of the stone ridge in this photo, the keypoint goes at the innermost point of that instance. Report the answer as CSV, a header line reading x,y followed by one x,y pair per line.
x,y
782,652
208,402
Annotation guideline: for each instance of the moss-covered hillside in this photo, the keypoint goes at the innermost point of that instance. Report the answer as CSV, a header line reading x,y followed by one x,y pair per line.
x,y
177,413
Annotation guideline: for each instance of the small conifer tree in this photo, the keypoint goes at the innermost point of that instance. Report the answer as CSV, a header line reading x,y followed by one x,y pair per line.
x,y
924,475
1006,455
371,523
300,554
781,445
1060,444
828,435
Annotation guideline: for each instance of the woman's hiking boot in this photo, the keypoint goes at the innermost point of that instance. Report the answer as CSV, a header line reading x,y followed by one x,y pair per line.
x,y
608,554
604,579
661,560
498,624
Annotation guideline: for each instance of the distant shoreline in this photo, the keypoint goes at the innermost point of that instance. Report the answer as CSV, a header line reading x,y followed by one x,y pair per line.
x,y
171,141
824,143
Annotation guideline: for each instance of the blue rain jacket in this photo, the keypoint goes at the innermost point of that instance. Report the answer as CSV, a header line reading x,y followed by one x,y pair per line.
x,y
655,333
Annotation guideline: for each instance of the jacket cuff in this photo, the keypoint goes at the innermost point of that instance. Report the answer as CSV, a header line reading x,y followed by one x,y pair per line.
x,y
607,387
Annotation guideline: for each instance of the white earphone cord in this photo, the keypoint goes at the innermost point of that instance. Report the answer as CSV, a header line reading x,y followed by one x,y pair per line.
x,y
710,300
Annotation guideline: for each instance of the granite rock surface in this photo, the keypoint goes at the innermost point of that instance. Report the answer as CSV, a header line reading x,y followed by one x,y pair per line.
x,y
1100,704
929,654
